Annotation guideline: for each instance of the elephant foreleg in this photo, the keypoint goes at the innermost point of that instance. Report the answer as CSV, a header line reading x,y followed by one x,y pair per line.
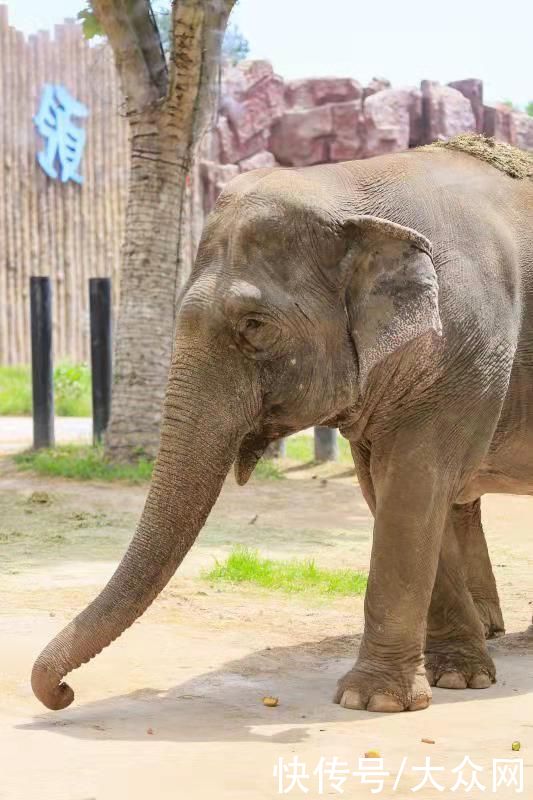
x,y
466,520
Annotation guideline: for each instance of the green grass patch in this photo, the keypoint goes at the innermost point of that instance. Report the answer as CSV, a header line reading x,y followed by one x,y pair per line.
x,y
268,469
246,566
15,391
301,448
87,463
84,463
72,390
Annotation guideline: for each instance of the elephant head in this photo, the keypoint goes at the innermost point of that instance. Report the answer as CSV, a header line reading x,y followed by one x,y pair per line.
x,y
290,305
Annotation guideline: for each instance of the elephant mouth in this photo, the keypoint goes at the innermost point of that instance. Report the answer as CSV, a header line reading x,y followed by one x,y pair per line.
x,y
252,448
254,444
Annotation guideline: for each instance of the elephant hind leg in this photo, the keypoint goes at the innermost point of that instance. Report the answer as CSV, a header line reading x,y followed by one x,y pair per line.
x,y
478,568
456,653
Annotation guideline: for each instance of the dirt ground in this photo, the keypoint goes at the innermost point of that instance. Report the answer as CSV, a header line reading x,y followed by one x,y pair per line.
x,y
174,709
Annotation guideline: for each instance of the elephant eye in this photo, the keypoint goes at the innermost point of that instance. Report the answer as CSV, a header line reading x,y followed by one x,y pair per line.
x,y
257,334
251,324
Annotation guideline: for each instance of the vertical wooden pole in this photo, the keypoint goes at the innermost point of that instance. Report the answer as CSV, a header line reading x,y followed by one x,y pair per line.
x,y
26,153
86,265
10,256
5,132
42,368
326,444
101,359
15,197
36,143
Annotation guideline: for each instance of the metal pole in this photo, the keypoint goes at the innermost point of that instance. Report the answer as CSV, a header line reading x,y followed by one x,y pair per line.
x,y
42,368
326,444
101,357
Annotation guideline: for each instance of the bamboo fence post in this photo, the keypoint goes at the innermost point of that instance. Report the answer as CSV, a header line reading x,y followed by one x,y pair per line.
x,y
66,231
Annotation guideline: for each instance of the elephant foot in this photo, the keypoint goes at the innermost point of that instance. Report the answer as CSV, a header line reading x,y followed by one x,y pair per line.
x,y
491,617
363,689
455,665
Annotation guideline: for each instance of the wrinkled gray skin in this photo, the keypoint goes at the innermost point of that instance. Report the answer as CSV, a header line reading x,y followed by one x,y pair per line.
x,y
391,298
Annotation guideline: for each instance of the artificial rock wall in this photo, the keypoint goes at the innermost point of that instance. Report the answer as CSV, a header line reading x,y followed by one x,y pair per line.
x,y
264,121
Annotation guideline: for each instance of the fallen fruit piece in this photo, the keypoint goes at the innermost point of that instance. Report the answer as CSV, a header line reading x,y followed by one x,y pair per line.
x,y
515,746
428,741
271,702
372,754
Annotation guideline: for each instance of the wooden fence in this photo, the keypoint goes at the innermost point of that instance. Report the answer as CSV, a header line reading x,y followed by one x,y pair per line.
x,y
68,231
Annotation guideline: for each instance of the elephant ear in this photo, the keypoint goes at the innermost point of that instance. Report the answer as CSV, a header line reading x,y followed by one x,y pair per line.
x,y
391,288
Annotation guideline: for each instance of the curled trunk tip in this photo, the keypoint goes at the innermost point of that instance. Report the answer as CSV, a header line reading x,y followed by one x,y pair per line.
x,y
49,689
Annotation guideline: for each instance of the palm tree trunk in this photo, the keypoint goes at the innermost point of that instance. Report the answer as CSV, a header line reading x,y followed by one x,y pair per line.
x,y
150,279
169,108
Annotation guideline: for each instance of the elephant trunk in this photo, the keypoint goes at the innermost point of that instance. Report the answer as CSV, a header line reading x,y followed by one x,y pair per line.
x,y
200,435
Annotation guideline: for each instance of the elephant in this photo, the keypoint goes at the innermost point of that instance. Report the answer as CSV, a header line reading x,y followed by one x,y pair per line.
x,y
391,298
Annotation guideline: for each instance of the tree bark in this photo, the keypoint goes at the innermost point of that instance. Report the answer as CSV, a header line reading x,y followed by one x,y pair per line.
x,y
168,112
144,326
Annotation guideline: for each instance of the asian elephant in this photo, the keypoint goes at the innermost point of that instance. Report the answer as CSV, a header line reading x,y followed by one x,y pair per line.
x,y
391,298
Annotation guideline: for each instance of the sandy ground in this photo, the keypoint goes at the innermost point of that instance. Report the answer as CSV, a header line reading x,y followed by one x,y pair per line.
x,y
174,708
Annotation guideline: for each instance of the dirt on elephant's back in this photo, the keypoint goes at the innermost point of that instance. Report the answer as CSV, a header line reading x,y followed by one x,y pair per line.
x,y
511,160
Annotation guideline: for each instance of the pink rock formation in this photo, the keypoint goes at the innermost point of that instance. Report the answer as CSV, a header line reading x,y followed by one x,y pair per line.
x,y
446,112
376,85
523,130
510,126
392,120
498,122
300,137
226,141
320,91
472,88
262,159
348,131
213,179
252,100
264,121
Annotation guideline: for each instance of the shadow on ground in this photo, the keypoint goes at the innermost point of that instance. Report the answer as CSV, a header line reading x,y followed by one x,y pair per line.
x,y
226,704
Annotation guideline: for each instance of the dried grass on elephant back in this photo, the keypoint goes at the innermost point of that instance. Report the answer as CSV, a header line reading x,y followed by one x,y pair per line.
x,y
515,162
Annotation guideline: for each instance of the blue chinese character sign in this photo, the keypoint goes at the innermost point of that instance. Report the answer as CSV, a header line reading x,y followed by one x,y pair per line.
x,y
64,140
